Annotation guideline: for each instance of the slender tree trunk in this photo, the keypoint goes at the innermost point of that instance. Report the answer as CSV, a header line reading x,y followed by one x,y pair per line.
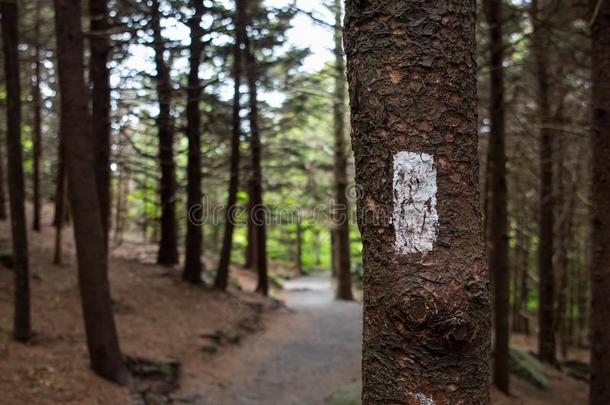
x,y
194,235
2,189
10,42
60,204
341,209
256,196
102,339
168,247
565,204
60,176
546,339
298,255
333,253
521,322
60,198
600,266
99,77
414,134
222,275
498,211
37,133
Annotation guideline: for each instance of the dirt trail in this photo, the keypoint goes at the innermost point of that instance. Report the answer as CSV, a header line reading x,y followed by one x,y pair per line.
x,y
301,357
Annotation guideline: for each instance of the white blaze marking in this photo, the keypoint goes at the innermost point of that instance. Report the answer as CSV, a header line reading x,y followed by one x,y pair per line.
x,y
423,400
415,217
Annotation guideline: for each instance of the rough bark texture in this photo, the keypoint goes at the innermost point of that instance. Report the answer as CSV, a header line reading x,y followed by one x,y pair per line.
x,y
341,209
10,42
99,77
168,246
600,266
222,275
498,211
37,130
412,77
546,340
102,339
256,192
194,235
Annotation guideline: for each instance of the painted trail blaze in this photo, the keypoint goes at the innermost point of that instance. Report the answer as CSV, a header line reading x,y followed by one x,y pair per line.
x,y
415,217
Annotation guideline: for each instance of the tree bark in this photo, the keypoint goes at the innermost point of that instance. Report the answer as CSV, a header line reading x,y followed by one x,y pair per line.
x,y
412,76
194,235
168,246
341,209
37,130
99,77
546,339
600,266
222,275
10,42
498,211
102,339
258,212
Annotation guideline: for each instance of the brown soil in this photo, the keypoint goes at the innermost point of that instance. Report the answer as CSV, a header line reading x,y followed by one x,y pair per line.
x,y
231,347
158,317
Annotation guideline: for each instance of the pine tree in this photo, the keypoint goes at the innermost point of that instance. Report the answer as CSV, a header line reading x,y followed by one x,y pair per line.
x,y
412,79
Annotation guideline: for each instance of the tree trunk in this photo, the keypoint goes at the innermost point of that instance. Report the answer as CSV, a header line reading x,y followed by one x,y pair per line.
x,y
546,339
256,196
102,339
58,252
10,42
60,198
341,209
37,130
565,204
2,189
99,77
222,275
498,211
168,247
298,255
412,76
194,235
600,266
520,321
59,178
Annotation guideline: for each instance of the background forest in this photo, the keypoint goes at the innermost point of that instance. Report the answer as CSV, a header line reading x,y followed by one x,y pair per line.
x,y
229,165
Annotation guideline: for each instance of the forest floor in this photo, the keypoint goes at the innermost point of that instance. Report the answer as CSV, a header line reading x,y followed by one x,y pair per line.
x,y
235,348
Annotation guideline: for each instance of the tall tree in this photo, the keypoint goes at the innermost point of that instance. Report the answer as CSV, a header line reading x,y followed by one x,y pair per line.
x,y
498,210
546,340
412,78
102,339
194,236
222,275
37,106
99,76
341,209
10,43
168,247
256,191
600,266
